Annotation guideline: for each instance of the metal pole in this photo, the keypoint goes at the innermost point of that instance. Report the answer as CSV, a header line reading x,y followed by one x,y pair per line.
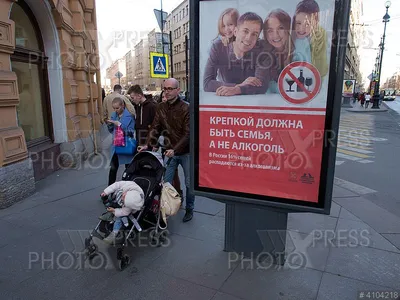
x,y
342,48
377,87
170,51
187,62
93,111
162,31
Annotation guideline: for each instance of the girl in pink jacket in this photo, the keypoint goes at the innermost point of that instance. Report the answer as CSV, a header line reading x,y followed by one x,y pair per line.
x,y
130,197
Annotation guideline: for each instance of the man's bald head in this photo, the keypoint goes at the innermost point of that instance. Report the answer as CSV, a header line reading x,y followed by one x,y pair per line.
x,y
172,82
171,89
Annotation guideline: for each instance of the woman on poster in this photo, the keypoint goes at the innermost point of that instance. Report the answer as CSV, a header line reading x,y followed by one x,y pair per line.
x,y
278,41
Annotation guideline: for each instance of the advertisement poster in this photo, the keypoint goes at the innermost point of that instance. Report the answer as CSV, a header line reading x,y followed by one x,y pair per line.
x,y
372,88
263,88
349,87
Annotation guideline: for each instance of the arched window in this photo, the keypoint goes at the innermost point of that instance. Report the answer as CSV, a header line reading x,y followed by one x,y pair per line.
x,y
30,64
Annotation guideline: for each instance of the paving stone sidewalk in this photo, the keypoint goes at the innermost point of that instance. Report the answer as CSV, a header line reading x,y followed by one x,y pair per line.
x,y
356,248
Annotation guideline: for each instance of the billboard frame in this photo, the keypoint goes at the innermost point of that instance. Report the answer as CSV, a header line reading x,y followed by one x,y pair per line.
x,y
334,96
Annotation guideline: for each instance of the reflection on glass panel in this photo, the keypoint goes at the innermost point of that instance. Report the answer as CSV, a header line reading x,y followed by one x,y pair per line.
x,y
24,30
29,110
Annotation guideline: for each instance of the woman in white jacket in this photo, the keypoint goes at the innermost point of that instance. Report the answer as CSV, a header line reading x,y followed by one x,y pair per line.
x,y
130,197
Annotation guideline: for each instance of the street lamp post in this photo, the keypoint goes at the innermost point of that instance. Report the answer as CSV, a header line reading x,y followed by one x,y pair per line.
x,y
386,19
187,62
169,43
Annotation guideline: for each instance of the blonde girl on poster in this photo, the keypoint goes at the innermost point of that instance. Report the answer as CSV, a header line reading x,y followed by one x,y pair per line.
x,y
310,39
226,25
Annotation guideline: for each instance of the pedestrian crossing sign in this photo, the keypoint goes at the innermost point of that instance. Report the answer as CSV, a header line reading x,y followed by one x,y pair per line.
x,y
158,65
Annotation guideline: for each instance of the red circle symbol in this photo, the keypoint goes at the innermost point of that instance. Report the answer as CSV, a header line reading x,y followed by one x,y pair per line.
x,y
288,73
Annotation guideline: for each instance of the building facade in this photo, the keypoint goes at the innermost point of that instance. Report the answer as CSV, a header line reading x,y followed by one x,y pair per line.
x,y
354,42
49,108
177,24
141,72
154,45
142,63
117,66
392,82
130,67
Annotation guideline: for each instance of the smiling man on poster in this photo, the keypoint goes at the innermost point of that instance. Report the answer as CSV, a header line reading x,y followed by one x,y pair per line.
x,y
243,65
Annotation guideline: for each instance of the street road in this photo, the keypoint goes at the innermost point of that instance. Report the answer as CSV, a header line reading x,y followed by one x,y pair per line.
x,y
368,153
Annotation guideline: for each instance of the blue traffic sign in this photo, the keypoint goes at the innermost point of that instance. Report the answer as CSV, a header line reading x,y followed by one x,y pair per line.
x,y
158,65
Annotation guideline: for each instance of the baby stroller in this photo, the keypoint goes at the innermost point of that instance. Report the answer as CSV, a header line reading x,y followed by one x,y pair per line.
x,y
147,170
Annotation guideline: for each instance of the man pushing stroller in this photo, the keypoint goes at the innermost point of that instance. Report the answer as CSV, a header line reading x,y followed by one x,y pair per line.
x,y
126,197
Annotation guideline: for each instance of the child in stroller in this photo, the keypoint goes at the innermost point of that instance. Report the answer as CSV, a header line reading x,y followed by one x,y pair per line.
x,y
145,172
121,199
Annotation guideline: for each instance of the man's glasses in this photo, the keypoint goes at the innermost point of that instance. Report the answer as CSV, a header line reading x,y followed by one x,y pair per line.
x,y
169,88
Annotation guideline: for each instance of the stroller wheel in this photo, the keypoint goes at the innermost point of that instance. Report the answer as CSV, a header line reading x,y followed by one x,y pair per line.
x,y
91,251
87,242
92,255
163,236
154,238
157,238
124,262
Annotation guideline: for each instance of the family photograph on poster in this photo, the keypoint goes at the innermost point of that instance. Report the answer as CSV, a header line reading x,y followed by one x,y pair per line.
x,y
265,53
264,69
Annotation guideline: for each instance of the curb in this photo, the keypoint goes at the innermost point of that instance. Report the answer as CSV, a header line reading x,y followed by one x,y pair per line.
x,y
362,110
367,111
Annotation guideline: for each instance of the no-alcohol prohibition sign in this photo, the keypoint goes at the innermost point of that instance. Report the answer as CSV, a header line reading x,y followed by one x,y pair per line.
x,y
290,78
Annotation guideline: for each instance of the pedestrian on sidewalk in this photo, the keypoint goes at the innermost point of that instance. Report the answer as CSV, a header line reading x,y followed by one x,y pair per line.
x,y
172,122
355,97
176,182
145,112
123,119
107,103
367,100
381,97
362,100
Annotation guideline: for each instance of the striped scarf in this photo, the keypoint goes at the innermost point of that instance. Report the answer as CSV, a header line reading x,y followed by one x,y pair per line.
x,y
118,197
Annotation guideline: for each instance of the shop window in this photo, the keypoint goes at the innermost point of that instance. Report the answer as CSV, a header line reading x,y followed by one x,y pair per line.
x,y
29,64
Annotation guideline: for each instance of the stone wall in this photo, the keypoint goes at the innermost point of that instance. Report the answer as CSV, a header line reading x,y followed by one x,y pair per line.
x,y
16,176
75,22
16,182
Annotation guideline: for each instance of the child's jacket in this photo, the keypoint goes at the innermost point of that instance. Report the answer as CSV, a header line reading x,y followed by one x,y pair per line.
x,y
125,186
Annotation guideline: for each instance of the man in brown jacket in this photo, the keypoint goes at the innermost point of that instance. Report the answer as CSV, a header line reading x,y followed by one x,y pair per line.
x,y
172,121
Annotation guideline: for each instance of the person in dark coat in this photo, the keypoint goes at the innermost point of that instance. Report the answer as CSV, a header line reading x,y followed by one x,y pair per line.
x,y
145,112
172,121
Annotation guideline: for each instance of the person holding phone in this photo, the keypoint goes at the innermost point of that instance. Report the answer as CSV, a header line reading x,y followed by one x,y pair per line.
x,y
107,103
122,118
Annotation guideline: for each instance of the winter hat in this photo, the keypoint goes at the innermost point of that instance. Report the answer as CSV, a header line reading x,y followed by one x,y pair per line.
x,y
134,200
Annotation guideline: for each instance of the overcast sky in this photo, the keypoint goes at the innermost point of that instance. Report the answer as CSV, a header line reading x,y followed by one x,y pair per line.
x,y
374,10
122,23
